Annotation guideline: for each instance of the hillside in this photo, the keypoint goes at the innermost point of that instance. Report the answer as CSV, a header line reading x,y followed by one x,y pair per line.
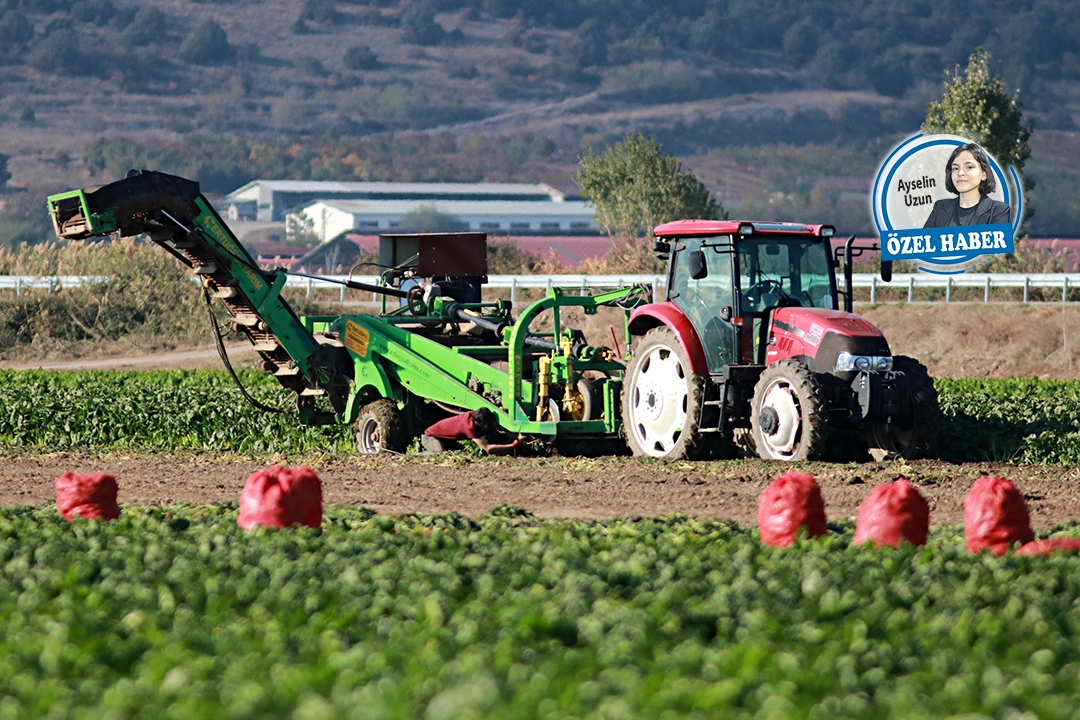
x,y
227,90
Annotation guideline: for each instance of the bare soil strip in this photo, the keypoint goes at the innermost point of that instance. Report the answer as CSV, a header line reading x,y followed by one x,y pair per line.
x,y
571,488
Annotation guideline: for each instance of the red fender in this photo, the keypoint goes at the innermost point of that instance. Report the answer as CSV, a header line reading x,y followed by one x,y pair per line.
x,y
667,313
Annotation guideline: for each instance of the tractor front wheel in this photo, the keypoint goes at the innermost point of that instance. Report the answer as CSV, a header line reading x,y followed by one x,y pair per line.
x,y
917,435
661,401
380,427
788,417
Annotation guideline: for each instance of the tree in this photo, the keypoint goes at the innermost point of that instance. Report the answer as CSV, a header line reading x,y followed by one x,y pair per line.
x,y
427,218
208,45
635,186
975,104
418,22
148,25
360,57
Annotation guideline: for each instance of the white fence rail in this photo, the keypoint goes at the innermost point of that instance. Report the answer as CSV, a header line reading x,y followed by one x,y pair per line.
x,y
905,282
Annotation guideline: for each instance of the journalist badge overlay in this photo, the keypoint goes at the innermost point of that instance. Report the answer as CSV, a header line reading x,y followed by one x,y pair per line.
x,y
944,204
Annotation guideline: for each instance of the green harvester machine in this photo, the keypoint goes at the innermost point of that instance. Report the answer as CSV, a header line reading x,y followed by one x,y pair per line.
x,y
435,348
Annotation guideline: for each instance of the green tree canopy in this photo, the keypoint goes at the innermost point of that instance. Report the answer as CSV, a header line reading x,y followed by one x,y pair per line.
x,y
975,104
427,218
634,186
208,45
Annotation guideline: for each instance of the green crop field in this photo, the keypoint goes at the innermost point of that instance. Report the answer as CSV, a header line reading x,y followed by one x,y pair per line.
x,y
1023,421
176,613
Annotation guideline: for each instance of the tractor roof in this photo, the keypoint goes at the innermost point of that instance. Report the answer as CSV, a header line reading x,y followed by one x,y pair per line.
x,y
683,228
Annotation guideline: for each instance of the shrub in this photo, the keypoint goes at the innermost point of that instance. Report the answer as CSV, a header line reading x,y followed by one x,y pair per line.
x,y
208,45
58,52
418,22
148,25
360,57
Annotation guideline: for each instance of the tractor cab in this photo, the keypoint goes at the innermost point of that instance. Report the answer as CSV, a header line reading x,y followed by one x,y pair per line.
x,y
728,277
727,284
750,341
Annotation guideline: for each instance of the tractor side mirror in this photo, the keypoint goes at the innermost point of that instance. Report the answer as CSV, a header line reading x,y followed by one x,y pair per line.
x,y
725,313
661,248
886,270
698,268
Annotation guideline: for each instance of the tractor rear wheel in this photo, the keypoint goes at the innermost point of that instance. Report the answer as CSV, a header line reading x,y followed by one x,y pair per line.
x,y
661,399
788,417
380,427
917,436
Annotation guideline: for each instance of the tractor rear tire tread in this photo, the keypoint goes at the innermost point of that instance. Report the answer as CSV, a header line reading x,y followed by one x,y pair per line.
x,y
690,444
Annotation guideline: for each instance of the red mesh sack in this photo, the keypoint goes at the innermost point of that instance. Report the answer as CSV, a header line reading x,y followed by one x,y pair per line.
x,y
995,516
1050,546
91,496
281,496
893,513
791,501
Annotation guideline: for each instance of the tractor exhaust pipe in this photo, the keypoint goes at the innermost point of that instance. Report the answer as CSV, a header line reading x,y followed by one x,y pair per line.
x,y
848,290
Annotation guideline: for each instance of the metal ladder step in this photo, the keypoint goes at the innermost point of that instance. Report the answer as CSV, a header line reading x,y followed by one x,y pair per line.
x,y
225,292
246,319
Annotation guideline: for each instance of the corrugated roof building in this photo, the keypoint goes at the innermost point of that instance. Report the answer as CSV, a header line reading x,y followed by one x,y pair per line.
x,y
326,219
272,200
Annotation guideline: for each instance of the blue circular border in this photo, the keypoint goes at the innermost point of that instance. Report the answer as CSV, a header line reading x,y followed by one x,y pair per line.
x,y
911,146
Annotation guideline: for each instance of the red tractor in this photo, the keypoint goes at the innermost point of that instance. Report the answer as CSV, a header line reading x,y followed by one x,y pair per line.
x,y
750,343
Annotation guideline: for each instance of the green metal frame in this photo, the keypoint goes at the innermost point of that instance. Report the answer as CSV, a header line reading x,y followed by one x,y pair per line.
x,y
394,361
388,360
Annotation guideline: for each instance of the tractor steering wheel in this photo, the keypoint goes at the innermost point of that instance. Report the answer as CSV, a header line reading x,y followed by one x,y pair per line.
x,y
756,294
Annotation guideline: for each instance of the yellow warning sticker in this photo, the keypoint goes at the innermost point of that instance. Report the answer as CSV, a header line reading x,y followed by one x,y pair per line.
x,y
356,338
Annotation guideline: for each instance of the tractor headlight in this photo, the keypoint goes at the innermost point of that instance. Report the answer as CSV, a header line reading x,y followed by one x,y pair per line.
x,y
846,362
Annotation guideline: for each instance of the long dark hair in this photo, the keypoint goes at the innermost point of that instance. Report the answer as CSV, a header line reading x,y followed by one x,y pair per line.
x,y
988,184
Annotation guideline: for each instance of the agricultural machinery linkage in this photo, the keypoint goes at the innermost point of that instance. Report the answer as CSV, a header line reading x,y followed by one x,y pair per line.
x,y
749,342
435,348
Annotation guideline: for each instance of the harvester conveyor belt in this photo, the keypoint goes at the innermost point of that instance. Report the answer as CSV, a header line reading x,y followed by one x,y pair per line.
x,y
175,215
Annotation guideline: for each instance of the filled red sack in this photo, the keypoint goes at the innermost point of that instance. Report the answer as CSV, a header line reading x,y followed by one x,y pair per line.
x,y
91,496
1050,546
281,496
894,512
791,501
995,516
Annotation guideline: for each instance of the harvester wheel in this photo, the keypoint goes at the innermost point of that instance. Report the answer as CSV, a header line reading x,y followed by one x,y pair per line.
x,y
788,418
380,428
661,399
918,436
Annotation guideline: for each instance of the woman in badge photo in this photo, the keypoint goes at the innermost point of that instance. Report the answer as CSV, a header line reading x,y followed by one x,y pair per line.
x,y
969,177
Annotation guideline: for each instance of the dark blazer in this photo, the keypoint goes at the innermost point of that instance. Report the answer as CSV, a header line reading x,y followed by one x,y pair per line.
x,y
987,212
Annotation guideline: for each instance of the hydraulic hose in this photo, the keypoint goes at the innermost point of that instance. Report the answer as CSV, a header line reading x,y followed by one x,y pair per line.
x,y
220,344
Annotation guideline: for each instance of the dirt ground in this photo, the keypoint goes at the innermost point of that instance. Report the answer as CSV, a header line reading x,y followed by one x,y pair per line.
x,y
572,488
969,340
955,340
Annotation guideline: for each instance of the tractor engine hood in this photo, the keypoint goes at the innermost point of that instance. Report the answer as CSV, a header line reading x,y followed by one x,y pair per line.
x,y
818,336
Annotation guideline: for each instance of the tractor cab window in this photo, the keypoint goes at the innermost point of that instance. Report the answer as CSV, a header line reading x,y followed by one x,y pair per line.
x,y
784,272
702,299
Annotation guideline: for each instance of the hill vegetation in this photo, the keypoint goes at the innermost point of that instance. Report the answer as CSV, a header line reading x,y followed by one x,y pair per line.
x,y
229,90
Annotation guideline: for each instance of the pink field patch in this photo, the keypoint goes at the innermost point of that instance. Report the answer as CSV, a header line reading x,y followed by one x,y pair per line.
x,y
1050,546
